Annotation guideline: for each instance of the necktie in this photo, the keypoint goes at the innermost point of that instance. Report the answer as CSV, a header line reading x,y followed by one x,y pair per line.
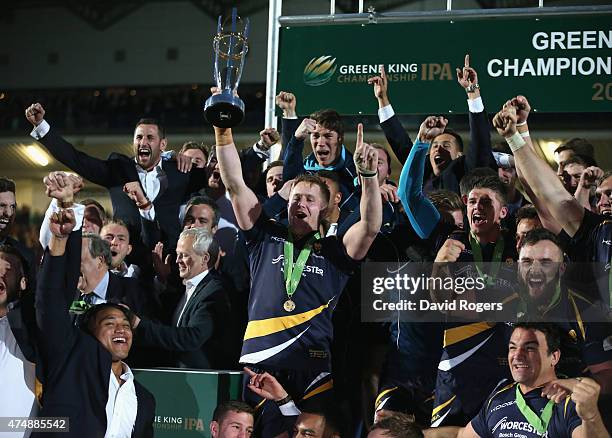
x,y
88,298
80,306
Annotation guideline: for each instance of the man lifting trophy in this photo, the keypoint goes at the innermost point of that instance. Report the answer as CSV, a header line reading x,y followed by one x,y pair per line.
x,y
226,109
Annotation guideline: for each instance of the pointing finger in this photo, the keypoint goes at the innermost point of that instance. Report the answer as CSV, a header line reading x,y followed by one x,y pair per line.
x,y
359,135
467,60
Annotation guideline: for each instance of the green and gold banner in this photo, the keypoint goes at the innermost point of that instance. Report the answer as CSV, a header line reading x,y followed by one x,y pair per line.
x,y
186,399
562,63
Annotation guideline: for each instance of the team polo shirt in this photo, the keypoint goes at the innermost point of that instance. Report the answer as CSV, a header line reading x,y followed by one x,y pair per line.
x,y
499,417
586,336
592,243
301,339
474,355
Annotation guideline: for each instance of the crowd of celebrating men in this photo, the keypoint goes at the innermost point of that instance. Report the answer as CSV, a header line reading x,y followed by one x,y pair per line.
x,y
206,262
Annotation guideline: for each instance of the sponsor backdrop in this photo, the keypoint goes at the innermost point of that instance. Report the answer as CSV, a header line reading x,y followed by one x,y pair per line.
x,y
562,64
186,399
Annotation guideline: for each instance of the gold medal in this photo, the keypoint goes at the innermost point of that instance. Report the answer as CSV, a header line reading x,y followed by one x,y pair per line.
x,y
289,305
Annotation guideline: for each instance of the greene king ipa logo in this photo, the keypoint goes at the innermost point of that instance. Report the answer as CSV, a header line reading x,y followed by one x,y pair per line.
x,y
319,70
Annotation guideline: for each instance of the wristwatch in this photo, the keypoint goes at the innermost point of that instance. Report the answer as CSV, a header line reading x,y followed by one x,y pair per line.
x,y
472,87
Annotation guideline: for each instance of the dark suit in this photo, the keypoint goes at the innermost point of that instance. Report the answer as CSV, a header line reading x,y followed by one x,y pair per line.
x,y
199,339
77,367
119,169
128,291
479,154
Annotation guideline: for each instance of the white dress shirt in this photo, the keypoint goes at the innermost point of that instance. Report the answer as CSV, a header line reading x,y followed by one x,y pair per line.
x,y
150,182
386,112
190,287
122,405
44,236
17,380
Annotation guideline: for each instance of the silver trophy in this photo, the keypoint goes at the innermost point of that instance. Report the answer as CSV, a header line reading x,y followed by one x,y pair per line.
x,y
226,110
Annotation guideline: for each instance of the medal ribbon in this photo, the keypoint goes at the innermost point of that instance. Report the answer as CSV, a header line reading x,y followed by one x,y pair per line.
x,y
495,260
523,308
539,423
292,272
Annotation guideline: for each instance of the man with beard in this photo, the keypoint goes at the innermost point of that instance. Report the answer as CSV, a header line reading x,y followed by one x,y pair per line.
x,y
291,302
545,297
589,234
487,253
163,185
529,406
8,209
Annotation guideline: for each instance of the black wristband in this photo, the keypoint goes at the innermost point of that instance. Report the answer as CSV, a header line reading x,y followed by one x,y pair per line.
x,y
368,175
283,401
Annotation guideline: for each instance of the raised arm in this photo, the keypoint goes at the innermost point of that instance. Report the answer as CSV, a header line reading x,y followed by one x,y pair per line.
x,y
395,134
360,236
480,153
292,157
564,208
244,201
287,102
101,172
422,214
51,308
588,180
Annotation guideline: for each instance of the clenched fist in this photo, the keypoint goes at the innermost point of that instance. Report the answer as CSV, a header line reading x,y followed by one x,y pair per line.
x,y
306,127
431,127
267,138
35,114
505,121
287,102
62,222
450,251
